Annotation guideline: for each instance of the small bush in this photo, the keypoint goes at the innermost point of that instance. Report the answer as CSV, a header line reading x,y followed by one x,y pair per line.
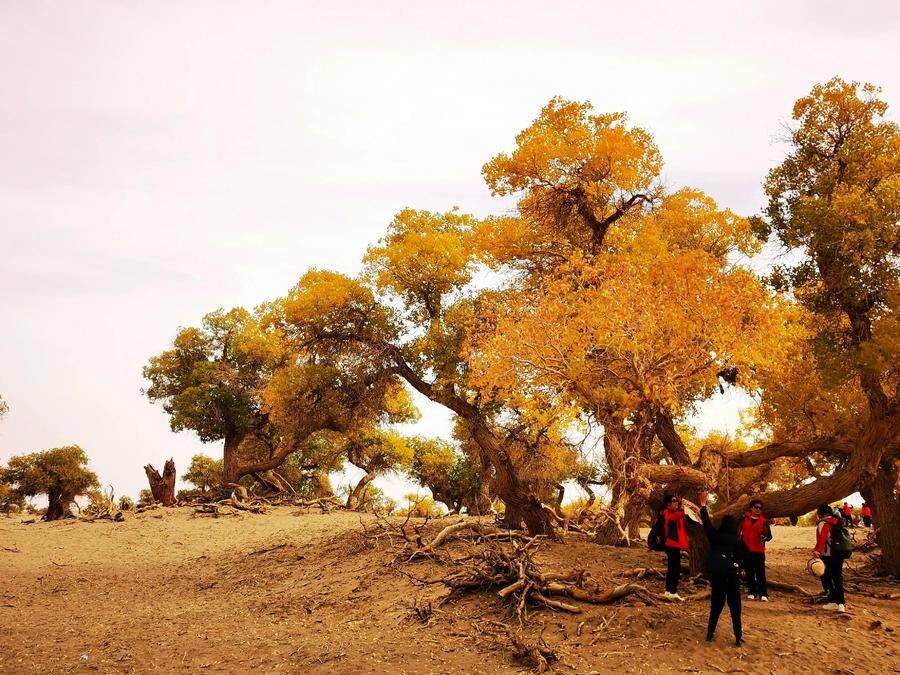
x,y
126,503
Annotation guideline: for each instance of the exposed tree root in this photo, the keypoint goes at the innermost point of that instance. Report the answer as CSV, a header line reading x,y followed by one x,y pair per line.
x,y
534,654
790,588
498,561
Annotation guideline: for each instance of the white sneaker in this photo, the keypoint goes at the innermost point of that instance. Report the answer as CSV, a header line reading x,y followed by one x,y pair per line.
x,y
673,596
763,598
830,605
841,608
751,597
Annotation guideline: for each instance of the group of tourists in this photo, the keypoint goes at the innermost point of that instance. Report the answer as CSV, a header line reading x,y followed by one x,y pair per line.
x,y
739,544
845,513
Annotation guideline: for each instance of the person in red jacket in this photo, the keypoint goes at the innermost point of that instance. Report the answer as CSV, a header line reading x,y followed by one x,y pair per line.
x,y
833,579
866,514
676,542
754,531
847,510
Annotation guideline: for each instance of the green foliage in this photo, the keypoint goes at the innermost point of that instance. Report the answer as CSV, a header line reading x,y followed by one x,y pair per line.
x,y
126,503
834,201
61,471
451,476
210,380
204,472
145,497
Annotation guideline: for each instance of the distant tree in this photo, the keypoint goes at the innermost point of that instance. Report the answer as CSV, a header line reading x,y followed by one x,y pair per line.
x,y
420,506
204,472
10,499
126,503
145,497
247,379
375,452
4,407
453,478
60,473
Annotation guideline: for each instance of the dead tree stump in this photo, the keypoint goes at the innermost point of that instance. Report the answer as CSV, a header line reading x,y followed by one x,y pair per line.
x,y
162,487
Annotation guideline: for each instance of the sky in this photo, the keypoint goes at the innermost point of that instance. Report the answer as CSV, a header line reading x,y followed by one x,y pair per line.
x,y
160,160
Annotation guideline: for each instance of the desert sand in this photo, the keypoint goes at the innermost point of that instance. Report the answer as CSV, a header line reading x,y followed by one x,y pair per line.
x,y
171,591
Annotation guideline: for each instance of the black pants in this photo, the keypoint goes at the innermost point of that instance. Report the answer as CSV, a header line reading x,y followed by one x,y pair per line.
x,y
673,569
833,579
867,520
725,587
755,565
848,521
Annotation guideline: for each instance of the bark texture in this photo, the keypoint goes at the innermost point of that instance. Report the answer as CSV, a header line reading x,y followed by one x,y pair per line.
x,y
883,496
162,487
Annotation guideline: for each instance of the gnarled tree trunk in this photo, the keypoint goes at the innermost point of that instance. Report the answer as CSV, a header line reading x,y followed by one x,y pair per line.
x,y
59,504
883,496
625,448
162,487
355,496
521,504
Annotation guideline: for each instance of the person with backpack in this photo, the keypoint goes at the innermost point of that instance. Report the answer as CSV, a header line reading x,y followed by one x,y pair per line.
x,y
866,514
833,546
722,566
754,531
675,541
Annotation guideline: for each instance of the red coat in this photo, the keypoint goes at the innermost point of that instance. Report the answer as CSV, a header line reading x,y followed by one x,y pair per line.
x,y
676,535
823,535
866,511
754,534
848,510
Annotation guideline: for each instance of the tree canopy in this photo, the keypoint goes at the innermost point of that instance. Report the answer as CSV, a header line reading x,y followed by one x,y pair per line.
x,y
60,473
604,302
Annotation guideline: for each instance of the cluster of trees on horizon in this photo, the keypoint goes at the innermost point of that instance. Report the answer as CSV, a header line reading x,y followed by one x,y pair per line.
x,y
615,305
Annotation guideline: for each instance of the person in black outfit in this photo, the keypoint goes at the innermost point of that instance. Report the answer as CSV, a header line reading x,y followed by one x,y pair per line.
x,y
723,572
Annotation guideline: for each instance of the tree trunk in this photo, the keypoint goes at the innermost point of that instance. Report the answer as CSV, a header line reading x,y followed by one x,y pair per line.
x,y
855,474
624,449
521,504
481,503
162,487
698,546
321,485
353,499
230,467
883,496
58,505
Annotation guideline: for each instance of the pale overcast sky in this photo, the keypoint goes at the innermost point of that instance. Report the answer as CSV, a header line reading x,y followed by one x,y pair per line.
x,y
159,160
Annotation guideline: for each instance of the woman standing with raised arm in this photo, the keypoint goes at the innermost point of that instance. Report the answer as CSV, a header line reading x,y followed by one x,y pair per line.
x,y
723,571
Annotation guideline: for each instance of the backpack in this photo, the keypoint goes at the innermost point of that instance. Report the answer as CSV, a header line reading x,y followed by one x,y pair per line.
x,y
656,539
841,539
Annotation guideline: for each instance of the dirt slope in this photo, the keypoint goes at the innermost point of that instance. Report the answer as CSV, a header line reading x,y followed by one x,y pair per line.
x,y
168,592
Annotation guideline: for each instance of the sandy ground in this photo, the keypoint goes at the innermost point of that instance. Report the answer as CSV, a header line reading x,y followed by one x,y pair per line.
x,y
166,591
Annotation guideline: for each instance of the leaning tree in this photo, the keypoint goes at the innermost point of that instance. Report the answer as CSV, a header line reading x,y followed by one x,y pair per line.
x,y
411,313
60,473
